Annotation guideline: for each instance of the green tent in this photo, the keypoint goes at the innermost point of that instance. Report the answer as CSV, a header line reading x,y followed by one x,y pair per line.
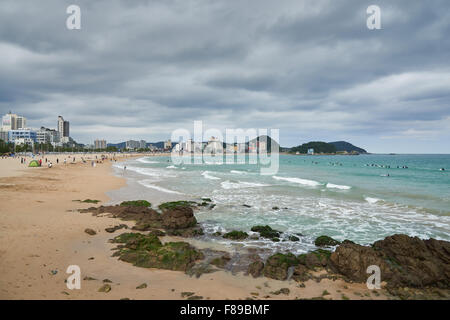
x,y
34,163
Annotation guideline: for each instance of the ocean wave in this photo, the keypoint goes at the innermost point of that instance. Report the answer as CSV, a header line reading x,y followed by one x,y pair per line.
x,y
241,184
337,186
238,172
206,175
150,172
152,186
305,182
372,200
144,160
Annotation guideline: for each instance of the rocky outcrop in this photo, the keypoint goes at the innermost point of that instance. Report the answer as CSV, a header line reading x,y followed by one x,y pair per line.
x,y
267,232
255,269
325,241
236,235
115,228
147,251
141,215
277,266
403,260
178,218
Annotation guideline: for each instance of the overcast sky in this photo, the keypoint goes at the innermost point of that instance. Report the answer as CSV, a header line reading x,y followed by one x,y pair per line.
x,y
311,68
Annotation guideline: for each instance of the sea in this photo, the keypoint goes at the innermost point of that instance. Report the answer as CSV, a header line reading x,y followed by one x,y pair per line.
x,y
363,198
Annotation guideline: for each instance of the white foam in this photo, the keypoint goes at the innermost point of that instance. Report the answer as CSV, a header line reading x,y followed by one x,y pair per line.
x,y
150,172
206,175
372,200
144,160
305,182
241,184
238,172
337,186
171,167
152,186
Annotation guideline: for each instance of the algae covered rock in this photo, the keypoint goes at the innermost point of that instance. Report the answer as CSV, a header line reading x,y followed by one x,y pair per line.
x,y
277,265
105,288
221,261
136,203
147,251
176,204
267,232
236,235
325,241
314,259
255,269
178,217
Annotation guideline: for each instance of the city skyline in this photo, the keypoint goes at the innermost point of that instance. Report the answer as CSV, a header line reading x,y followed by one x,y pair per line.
x,y
313,70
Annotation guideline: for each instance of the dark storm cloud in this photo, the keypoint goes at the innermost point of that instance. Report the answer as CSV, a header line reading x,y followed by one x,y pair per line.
x,y
140,69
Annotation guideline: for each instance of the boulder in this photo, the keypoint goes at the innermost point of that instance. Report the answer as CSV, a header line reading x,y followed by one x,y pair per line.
x,y
324,241
277,265
256,268
147,251
90,231
236,235
404,261
352,260
178,218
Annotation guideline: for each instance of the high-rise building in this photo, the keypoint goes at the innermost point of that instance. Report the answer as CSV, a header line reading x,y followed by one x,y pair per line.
x,y
21,122
66,129
12,121
9,122
63,130
100,144
63,127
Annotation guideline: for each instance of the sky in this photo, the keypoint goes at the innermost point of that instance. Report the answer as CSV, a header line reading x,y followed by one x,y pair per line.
x,y
310,68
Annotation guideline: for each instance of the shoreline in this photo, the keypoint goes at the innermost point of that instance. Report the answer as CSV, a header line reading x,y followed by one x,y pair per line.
x,y
43,233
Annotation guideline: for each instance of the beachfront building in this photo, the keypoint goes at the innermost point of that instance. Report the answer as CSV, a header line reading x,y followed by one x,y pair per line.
x,y
214,146
43,136
22,136
311,151
100,144
167,145
21,122
3,135
134,145
63,130
12,121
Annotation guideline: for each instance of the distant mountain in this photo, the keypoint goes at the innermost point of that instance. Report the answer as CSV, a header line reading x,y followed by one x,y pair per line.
x,y
120,145
346,146
159,145
267,139
318,146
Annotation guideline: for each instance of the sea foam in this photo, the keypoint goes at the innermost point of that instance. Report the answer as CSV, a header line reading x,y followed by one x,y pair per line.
x,y
304,182
337,186
152,186
372,200
241,184
206,175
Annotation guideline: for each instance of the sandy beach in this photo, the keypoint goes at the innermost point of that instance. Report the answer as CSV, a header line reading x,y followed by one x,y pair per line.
x,y
42,233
